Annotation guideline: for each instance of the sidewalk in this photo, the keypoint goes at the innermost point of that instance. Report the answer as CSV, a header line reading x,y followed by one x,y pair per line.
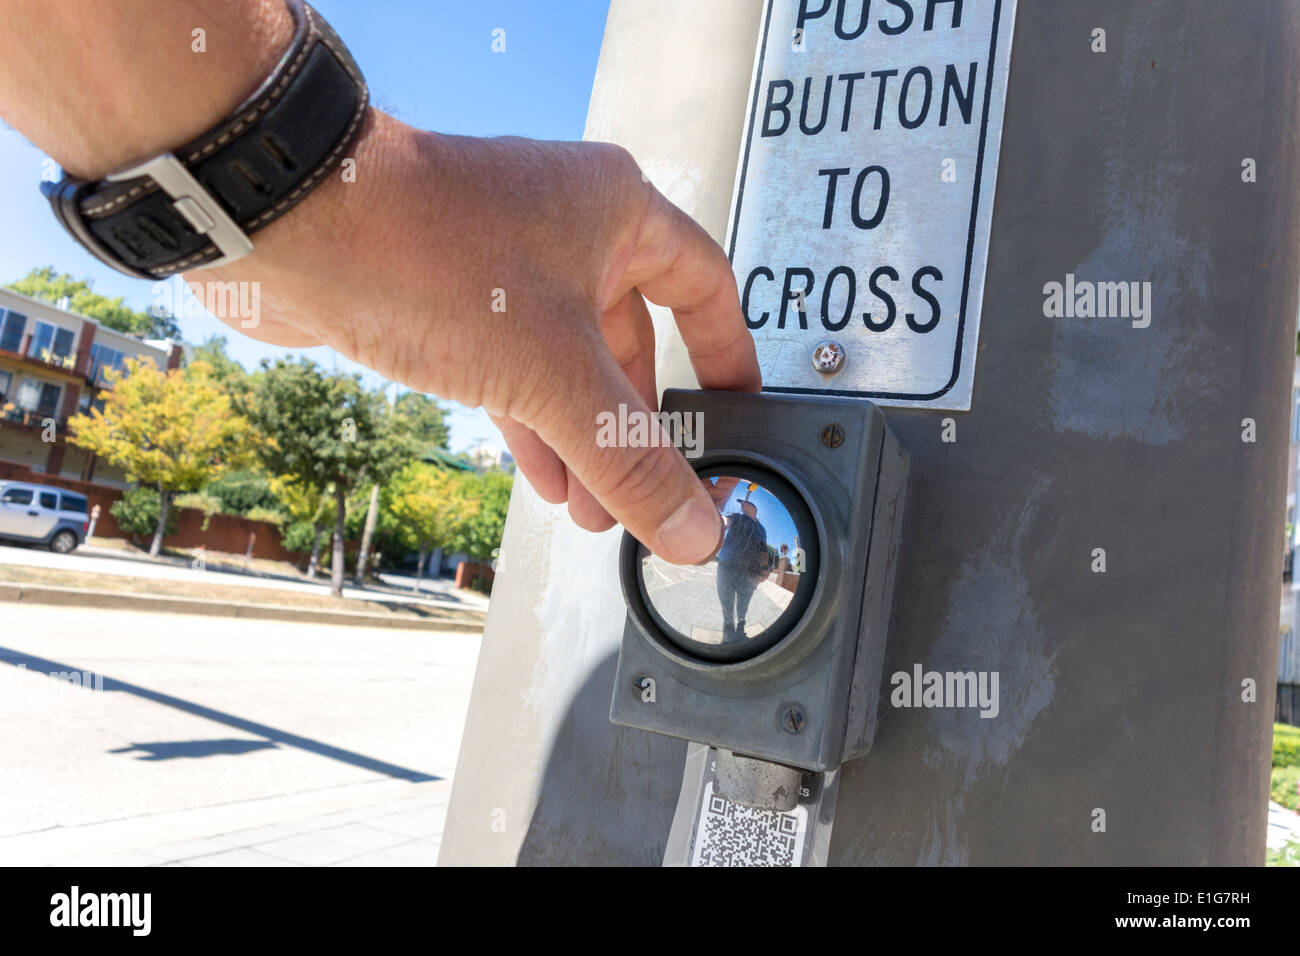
x,y
386,823
104,578
436,619
439,592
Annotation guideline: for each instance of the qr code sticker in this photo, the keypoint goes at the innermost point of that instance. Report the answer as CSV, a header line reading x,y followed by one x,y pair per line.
x,y
731,835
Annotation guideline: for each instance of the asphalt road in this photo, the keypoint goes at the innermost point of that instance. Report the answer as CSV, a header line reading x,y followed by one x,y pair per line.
x,y
199,715
202,741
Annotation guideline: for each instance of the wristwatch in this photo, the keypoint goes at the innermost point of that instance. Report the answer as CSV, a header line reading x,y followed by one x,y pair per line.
x,y
196,206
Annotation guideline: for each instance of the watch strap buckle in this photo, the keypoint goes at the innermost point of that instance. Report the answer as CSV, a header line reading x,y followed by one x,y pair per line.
x,y
193,203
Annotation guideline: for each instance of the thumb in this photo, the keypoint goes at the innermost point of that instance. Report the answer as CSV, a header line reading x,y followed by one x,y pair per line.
x,y
648,487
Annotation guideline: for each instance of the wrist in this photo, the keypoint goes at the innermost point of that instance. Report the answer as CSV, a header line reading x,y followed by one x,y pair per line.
x,y
361,224
344,213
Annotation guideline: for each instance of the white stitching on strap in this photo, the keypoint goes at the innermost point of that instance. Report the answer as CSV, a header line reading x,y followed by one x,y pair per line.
x,y
120,199
245,120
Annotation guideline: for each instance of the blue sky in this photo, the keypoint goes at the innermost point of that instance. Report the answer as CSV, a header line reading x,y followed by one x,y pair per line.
x,y
428,63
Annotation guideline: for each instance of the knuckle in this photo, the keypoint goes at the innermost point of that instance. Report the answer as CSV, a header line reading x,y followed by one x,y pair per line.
x,y
637,480
618,158
589,516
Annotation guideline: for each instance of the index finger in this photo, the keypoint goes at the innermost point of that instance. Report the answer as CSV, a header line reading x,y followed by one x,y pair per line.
x,y
676,264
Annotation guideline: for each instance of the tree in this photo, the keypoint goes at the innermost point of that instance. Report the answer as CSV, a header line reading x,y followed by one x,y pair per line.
x,y
171,431
225,370
480,534
325,431
306,505
136,512
425,420
430,506
242,491
48,286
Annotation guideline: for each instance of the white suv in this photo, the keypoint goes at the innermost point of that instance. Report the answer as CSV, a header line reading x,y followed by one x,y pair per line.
x,y
42,513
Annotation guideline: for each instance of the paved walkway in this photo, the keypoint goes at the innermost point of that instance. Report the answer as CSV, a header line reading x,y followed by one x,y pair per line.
x,y
398,824
200,741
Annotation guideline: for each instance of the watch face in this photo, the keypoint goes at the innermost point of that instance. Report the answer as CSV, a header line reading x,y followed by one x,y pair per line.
x,y
749,595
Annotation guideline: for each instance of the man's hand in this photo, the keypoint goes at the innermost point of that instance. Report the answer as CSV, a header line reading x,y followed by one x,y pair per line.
x,y
401,269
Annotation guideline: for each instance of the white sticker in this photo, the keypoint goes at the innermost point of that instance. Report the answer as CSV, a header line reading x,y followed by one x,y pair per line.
x,y
864,193
729,834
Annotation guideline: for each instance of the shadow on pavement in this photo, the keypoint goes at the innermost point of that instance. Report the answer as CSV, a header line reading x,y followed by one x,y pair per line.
x,y
170,750
51,669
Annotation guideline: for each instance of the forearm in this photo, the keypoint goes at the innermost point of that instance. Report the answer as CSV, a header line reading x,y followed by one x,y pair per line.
x,y
507,273
98,83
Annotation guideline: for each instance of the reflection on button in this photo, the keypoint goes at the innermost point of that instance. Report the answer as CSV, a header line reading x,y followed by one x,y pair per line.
x,y
731,607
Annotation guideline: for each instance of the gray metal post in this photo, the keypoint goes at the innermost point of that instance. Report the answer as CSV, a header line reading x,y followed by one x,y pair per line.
x,y
542,774
1126,732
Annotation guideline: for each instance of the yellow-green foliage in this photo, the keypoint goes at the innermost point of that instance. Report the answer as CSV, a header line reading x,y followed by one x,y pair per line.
x,y
172,431
1283,787
431,506
1286,745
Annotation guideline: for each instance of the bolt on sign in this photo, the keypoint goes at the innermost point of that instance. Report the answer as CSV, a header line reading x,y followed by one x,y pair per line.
x,y
864,193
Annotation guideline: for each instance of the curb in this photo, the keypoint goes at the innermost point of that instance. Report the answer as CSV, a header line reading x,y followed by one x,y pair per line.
x,y
118,600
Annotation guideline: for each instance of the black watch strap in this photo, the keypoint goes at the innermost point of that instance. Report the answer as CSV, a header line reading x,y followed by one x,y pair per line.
x,y
197,206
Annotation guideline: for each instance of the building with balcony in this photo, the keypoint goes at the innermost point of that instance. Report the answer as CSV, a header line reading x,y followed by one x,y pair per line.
x,y
52,365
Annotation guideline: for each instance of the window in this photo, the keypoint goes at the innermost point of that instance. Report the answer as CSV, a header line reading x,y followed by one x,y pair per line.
x,y
5,381
89,400
29,394
102,358
63,343
11,331
49,500
42,339
17,496
48,406
73,503
39,397
50,343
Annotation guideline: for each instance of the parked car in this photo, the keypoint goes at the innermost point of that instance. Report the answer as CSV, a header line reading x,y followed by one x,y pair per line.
x,y
42,513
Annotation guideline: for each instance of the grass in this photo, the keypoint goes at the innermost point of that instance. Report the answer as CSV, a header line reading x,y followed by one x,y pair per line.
x,y
1287,855
1284,785
1286,745
230,593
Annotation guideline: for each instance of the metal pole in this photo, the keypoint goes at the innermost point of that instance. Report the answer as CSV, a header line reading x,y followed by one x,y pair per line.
x,y
672,87
1102,531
